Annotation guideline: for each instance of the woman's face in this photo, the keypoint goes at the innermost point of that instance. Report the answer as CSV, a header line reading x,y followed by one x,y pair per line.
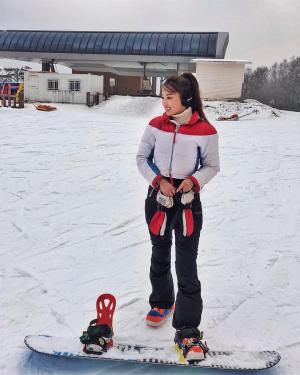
x,y
171,102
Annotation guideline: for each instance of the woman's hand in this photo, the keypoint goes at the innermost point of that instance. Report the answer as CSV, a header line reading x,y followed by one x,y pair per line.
x,y
185,186
166,187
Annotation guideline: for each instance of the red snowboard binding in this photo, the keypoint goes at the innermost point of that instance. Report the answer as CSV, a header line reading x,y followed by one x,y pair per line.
x,y
98,337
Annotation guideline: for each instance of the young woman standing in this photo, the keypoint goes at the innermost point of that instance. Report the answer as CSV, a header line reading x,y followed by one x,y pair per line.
x,y
178,154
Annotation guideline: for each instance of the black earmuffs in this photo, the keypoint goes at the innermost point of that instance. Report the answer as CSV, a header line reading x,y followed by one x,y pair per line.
x,y
186,101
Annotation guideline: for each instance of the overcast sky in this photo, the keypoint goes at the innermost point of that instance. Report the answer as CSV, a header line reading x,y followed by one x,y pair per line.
x,y
263,31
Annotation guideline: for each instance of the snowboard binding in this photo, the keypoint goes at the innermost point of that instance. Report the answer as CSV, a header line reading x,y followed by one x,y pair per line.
x,y
97,339
190,346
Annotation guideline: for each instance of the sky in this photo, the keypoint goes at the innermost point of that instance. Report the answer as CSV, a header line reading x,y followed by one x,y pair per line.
x,y
262,31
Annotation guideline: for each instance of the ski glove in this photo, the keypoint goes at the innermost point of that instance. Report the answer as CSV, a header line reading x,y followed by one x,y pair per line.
x,y
187,214
158,222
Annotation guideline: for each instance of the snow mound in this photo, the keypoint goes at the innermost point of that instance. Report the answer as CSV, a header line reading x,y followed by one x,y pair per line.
x,y
131,106
254,108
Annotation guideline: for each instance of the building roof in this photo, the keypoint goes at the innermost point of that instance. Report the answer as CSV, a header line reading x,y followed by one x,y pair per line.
x,y
131,43
122,52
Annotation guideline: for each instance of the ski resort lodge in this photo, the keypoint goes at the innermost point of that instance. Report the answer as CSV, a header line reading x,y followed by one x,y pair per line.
x,y
129,63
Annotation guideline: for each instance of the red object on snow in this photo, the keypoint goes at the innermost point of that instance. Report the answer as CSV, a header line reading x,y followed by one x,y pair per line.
x,y
105,305
235,116
45,107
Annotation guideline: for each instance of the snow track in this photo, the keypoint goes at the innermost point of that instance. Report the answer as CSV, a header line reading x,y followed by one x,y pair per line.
x,y
72,227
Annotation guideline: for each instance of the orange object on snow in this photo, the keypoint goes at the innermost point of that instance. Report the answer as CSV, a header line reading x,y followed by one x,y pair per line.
x,y
45,107
233,117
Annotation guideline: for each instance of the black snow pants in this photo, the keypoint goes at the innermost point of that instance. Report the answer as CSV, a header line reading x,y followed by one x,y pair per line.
x,y
188,306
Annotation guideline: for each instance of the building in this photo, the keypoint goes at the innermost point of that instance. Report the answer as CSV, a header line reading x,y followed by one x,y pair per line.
x,y
61,88
220,78
132,63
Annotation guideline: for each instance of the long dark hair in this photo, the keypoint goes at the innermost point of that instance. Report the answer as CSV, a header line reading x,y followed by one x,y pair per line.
x,y
187,87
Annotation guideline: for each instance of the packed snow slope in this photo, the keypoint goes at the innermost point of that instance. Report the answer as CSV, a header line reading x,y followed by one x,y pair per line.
x,y
72,227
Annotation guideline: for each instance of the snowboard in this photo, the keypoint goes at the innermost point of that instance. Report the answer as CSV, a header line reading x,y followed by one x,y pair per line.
x,y
163,355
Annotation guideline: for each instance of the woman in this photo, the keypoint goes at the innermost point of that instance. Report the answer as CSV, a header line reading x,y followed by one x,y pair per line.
x,y
178,154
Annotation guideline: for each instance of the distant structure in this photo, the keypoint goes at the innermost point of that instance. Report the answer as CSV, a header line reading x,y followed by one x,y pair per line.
x,y
63,88
220,78
133,63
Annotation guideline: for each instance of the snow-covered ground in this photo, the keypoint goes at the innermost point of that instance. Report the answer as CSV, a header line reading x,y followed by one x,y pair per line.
x,y
72,227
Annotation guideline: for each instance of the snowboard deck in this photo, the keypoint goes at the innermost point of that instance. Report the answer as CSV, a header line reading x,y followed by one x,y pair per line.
x,y
164,355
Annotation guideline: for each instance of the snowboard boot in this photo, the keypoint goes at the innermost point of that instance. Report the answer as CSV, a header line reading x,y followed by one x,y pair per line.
x,y
97,339
188,343
157,316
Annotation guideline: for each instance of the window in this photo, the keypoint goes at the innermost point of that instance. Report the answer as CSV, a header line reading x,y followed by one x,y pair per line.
x,y
52,84
74,85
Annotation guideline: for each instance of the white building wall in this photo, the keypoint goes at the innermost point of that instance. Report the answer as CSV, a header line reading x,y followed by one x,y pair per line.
x,y
220,79
36,87
97,84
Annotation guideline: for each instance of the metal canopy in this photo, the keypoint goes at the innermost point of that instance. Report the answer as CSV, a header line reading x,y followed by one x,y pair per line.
x,y
124,53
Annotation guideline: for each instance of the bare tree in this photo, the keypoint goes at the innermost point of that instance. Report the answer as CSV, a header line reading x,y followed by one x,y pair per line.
x,y
13,74
278,86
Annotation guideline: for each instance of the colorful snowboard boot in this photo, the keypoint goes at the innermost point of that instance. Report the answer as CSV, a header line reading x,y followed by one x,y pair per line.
x,y
157,316
188,343
98,337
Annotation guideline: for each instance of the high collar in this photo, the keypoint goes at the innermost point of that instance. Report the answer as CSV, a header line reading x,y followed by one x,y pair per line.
x,y
192,121
183,117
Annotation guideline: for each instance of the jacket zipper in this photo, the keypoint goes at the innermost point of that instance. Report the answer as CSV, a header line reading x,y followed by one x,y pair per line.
x,y
177,126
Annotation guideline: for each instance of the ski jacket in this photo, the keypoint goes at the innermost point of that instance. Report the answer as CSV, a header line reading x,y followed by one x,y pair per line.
x,y
168,149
